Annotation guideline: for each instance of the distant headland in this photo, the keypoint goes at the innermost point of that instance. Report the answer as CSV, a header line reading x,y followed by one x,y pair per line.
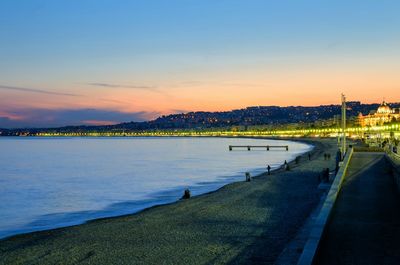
x,y
260,120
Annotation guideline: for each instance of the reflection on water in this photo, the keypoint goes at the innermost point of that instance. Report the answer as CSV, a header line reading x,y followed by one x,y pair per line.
x,y
54,182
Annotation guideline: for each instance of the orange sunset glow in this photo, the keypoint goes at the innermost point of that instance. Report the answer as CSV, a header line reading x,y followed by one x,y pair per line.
x,y
192,65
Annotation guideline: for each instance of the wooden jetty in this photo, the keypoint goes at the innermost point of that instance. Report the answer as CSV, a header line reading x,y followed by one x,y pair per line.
x,y
267,147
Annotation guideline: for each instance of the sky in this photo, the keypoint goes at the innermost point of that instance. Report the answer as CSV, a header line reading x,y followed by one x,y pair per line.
x,y
69,62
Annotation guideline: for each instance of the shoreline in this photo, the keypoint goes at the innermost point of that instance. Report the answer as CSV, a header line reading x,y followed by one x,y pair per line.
x,y
318,147
156,198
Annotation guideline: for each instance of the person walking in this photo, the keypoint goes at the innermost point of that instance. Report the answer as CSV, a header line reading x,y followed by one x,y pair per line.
x,y
269,169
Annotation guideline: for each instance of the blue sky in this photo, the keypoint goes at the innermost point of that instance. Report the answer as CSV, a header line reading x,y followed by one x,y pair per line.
x,y
156,57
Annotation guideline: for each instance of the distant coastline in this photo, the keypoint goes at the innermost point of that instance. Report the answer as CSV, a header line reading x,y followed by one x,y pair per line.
x,y
250,118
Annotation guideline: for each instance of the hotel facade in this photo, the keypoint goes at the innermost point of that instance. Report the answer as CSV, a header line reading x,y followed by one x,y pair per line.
x,y
382,115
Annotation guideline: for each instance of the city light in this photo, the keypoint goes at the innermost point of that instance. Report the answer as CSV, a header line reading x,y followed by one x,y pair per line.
x,y
354,132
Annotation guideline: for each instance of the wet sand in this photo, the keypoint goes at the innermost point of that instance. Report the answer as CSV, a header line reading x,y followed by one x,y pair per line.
x,y
243,222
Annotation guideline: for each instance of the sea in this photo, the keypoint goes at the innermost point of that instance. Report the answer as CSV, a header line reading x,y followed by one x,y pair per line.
x,y
53,182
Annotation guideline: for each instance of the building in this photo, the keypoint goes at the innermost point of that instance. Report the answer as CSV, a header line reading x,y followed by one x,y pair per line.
x,y
382,115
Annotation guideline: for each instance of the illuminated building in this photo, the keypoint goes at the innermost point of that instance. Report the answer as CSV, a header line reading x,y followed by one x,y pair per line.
x,y
382,115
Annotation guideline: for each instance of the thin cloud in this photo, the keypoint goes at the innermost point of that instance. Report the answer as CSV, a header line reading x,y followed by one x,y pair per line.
x,y
179,111
37,117
190,83
114,101
34,90
243,85
204,83
151,88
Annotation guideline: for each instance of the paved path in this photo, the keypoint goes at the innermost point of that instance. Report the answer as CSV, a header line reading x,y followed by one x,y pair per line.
x,y
365,223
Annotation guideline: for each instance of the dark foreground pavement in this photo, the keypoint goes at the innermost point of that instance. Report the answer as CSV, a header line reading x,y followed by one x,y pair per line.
x,y
365,223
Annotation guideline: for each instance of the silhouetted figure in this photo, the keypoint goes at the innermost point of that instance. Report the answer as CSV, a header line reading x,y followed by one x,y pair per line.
x,y
326,175
309,156
338,159
269,169
286,166
186,194
248,177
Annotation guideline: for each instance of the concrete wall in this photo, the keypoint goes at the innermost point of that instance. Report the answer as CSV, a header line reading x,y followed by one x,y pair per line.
x,y
394,159
310,249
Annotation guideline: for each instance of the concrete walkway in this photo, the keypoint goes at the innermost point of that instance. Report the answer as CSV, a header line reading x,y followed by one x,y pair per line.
x,y
365,223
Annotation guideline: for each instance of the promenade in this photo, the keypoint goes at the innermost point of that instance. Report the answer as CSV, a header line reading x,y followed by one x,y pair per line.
x,y
364,227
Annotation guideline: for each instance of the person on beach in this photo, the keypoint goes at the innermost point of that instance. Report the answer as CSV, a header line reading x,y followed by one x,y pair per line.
x,y
248,177
186,194
286,165
309,156
269,169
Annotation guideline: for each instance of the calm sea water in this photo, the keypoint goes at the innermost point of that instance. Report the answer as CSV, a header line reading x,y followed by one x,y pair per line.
x,y
53,182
